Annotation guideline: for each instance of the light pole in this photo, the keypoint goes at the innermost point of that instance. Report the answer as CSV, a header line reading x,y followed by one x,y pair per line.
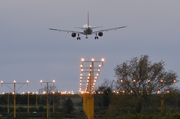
x,y
36,99
28,101
47,92
7,101
14,91
89,73
53,100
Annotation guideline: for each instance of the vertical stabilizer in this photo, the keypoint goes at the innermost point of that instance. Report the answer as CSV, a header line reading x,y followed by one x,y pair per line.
x,y
88,19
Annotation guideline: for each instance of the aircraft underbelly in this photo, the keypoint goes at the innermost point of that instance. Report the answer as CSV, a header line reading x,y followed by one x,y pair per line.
x,y
87,32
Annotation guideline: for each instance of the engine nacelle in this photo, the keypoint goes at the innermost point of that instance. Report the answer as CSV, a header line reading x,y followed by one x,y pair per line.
x,y
73,34
100,34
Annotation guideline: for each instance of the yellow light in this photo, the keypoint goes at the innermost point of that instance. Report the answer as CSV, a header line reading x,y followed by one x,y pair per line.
x,y
14,81
27,81
41,81
82,59
1,81
99,65
53,81
134,80
92,59
102,59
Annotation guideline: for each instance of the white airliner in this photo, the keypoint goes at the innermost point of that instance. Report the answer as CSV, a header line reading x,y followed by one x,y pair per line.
x,y
87,30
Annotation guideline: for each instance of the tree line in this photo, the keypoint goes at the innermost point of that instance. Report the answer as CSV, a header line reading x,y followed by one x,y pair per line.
x,y
140,87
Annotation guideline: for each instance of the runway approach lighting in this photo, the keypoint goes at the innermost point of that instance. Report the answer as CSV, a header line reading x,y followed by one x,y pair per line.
x,y
14,91
89,73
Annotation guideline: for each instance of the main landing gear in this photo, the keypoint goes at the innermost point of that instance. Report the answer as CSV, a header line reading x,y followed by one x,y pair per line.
x,y
78,38
96,37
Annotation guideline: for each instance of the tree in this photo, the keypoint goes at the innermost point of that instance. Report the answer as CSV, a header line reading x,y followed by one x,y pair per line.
x,y
140,78
105,89
68,106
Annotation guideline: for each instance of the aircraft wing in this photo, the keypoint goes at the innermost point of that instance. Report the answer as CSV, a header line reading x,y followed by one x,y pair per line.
x,y
68,31
108,29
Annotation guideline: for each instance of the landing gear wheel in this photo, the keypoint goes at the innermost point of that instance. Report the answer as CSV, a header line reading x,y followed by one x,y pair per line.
x,y
78,38
96,37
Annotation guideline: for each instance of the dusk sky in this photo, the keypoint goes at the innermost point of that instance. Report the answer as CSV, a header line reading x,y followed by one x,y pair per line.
x,y
30,51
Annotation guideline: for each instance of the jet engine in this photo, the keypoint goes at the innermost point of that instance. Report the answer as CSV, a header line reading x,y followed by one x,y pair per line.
x,y
100,34
73,34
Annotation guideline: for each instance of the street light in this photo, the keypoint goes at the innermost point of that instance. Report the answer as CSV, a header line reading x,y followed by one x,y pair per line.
x,y
14,91
47,92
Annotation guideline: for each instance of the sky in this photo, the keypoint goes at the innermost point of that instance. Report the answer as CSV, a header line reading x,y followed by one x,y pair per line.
x,y
29,51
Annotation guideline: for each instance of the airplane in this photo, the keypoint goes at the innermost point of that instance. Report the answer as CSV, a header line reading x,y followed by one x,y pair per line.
x,y
87,30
